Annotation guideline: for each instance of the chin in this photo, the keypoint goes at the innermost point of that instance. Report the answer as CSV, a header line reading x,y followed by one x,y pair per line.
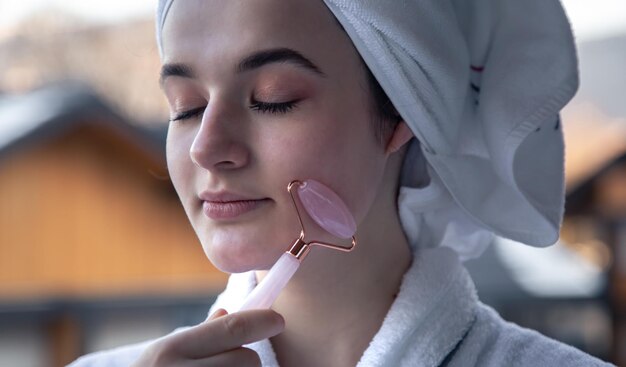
x,y
230,260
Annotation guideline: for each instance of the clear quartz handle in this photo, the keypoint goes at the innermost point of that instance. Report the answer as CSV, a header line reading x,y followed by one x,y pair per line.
x,y
264,295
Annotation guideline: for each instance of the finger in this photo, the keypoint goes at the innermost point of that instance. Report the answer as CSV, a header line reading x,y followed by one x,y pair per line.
x,y
219,313
226,333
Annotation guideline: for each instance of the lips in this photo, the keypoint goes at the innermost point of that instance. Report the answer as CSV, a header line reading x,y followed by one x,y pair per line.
x,y
226,205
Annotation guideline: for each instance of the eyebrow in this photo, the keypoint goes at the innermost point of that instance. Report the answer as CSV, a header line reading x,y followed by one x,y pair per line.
x,y
277,55
175,69
251,62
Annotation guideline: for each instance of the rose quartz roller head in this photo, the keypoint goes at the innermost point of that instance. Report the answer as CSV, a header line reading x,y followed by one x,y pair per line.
x,y
327,210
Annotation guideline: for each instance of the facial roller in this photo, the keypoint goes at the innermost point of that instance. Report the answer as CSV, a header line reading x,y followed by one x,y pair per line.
x,y
327,209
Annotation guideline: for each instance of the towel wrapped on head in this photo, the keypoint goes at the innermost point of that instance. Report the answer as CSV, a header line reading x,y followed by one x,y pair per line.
x,y
480,83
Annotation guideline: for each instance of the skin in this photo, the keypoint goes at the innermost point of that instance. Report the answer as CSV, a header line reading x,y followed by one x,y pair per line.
x,y
231,145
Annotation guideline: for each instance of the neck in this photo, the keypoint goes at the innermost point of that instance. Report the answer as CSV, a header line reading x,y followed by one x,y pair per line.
x,y
336,302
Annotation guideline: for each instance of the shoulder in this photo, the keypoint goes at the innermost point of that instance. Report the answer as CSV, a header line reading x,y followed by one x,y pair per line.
x,y
492,341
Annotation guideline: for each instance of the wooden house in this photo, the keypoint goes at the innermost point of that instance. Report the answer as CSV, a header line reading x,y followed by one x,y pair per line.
x,y
91,231
573,291
596,223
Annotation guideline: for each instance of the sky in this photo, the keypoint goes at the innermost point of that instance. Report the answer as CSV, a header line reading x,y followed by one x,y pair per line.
x,y
110,11
590,19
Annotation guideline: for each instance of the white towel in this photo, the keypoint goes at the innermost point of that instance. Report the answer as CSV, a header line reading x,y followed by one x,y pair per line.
x,y
481,84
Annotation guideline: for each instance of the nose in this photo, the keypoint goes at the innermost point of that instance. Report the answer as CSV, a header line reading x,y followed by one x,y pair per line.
x,y
219,143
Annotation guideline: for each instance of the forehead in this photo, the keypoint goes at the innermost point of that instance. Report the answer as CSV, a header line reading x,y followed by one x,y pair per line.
x,y
213,28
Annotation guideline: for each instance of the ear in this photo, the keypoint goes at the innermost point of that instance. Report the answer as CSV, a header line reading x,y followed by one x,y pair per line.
x,y
401,135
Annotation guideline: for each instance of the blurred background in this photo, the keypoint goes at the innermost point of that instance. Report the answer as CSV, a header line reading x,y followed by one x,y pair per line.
x,y
96,251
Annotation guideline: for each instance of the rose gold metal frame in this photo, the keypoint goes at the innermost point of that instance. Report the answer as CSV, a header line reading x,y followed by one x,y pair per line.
x,y
300,247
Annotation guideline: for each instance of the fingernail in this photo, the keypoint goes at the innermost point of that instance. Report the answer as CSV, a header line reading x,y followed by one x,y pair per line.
x,y
218,313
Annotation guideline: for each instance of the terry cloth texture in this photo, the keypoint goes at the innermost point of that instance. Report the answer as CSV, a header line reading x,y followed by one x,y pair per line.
x,y
481,84
436,320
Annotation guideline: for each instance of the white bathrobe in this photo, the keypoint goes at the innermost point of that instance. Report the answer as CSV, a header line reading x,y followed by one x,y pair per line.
x,y
436,320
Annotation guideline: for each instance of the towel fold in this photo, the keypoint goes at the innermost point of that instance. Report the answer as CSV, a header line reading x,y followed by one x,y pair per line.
x,y
437,320
435,307
481,84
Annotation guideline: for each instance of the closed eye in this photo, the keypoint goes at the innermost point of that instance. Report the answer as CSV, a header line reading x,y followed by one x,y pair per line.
x,y
189,114
282,107
263,107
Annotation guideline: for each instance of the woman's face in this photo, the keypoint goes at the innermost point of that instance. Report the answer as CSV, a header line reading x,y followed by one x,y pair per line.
x,y
261,93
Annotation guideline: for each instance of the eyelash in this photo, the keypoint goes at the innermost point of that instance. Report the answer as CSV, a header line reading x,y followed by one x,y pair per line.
x,y
282,107
188,114
263,107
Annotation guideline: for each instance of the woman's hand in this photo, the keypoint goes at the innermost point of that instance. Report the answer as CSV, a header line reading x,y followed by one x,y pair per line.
x,y
215,342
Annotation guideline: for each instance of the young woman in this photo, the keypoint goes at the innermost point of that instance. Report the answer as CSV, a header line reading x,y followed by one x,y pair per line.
x,y
268,91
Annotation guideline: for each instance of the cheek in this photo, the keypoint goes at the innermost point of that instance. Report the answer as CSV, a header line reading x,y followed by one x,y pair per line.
x,y
179,164
357,176
345,157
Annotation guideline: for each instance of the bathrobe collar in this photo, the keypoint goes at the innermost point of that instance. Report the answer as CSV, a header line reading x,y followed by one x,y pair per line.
x,y
434,309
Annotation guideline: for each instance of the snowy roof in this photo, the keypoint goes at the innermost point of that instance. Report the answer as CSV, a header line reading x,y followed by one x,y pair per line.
x,y
510,270
56,109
